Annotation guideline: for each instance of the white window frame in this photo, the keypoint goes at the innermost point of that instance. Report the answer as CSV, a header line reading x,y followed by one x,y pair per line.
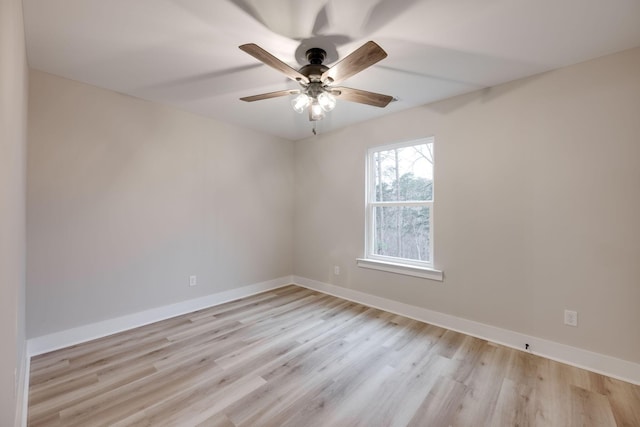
x,y
424,269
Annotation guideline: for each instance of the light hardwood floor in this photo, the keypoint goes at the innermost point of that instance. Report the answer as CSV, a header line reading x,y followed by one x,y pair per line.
x,y
295,357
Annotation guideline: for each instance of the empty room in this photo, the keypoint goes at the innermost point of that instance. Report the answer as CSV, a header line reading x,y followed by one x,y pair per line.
x,y
243,213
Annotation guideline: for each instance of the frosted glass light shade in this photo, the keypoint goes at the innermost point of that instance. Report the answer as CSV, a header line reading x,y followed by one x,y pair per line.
x,y
316,112
300,102
327,101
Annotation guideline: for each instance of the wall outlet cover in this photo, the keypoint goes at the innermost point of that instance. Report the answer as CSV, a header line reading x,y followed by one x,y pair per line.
x,y
571,318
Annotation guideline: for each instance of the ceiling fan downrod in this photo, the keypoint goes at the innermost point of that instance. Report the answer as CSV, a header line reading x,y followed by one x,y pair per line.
x,y
314,70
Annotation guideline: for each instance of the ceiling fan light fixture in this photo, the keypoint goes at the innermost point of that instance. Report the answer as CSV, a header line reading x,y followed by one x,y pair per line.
x,y
327,101
300,102
315,111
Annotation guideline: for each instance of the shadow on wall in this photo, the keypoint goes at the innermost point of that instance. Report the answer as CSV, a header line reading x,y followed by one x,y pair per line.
x,y
482,96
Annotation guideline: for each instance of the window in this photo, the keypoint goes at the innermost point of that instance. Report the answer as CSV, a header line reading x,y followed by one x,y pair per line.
x,y
400,209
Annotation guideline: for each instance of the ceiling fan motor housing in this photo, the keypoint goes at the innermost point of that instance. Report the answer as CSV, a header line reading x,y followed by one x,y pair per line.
x,y
314,69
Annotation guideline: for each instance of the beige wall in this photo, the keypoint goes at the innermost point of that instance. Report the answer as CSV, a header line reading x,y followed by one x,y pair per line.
x,y
13,142
127,199
537,205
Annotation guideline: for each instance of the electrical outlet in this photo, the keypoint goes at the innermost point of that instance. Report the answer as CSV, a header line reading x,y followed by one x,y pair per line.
x,y
193,281
336,270
571,318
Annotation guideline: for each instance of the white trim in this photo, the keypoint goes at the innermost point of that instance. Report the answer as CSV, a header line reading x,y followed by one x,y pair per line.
x,y
411,204
66,338
596,362
23,392
406,269
585,359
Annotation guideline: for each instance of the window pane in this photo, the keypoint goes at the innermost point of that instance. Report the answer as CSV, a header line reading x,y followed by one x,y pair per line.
x,y
404,173
402,232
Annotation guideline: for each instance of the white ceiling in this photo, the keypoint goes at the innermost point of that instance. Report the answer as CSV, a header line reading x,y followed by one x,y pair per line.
x,y
185,52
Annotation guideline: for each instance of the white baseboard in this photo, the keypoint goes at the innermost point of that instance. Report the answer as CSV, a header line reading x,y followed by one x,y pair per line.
x,y
23,392
585,359
66,338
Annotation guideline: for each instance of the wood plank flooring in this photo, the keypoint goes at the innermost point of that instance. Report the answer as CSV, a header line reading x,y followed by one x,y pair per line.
x,y
295,357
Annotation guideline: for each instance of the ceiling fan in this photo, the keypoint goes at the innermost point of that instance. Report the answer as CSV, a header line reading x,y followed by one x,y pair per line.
x,y
316,80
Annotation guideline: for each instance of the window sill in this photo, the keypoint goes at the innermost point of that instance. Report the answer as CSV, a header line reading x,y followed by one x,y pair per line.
x,y
407,270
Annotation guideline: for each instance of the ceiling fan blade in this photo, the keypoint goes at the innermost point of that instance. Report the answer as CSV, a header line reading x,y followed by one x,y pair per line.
x,y
361,58
263,56
361,96
270,95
